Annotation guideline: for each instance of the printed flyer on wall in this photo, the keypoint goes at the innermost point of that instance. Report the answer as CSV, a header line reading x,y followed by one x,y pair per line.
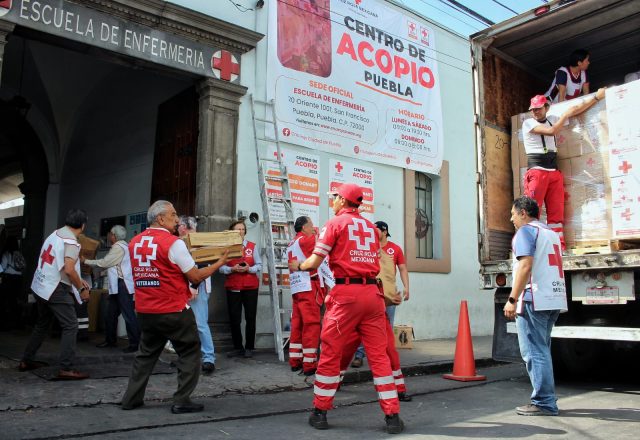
x,y
356,78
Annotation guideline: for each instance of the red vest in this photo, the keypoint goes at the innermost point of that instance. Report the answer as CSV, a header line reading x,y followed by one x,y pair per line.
x,y
160,285
246,280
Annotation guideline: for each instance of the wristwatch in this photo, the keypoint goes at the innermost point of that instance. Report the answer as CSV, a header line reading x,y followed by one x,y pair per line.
x,y
511,300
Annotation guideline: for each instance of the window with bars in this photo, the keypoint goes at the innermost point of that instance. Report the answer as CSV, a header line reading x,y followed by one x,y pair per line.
x,y
423,216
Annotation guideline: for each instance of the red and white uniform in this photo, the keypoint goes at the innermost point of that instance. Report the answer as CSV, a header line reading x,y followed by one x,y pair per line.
x,y
47,275
351,242
237,281
544,183
572,83
307,298
158,263
395,253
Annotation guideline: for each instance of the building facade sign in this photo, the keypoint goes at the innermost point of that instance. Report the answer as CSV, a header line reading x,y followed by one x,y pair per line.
x,y
356,78
85,25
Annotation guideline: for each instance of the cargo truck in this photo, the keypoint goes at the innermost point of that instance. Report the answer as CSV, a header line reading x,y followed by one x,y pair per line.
x,y
513,61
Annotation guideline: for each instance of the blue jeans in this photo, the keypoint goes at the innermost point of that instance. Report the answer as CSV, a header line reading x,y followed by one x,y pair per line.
x,y
391,314
534,338
200,307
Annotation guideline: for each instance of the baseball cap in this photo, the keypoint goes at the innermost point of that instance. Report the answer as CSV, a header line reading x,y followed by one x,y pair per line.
x,y
383,226
538,101
349,191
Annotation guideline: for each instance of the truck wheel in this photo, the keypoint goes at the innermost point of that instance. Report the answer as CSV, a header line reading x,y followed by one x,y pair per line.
x,y
575,357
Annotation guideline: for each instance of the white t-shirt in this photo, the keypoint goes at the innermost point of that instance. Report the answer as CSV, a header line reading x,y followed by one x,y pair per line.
x,y
533,142
179,254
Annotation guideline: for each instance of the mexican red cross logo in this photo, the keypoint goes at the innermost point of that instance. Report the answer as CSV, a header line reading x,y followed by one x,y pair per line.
x,y
625,167
339,167
555,259
248,252
5,7
362,234
391,251
46,256
412,30
225,65
145,251
424,35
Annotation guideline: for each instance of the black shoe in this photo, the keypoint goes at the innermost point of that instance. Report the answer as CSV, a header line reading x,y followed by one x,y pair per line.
x,y
309,372
248,354
235,353
208,368
189,407
404,397
131,406
31,365
318,419
298,368
130,349
394,424
106,344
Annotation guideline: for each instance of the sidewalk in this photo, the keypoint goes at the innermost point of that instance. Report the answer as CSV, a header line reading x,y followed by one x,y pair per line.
x,y
262,374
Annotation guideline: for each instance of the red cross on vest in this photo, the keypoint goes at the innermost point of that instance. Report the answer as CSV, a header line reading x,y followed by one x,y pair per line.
x,y
625,167
145,251
46,257
555,259
226,64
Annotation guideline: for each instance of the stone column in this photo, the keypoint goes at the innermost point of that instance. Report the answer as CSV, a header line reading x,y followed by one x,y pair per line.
x,y
216,173
5,29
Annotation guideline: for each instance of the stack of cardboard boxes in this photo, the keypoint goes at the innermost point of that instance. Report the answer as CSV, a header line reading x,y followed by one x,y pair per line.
x,y
583,151
623,109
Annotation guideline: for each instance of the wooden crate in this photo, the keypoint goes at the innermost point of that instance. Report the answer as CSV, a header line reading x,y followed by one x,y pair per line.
x,y
215,239
208,254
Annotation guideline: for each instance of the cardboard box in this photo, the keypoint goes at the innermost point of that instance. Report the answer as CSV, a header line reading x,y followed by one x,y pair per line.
x,y
208,254
88,250
403,335
207,247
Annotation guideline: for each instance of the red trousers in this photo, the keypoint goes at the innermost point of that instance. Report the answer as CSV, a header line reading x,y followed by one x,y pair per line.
x,y
355,309
305,328
548,187
351,347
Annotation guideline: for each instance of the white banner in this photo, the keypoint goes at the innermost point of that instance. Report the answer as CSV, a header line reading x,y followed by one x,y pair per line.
x,y
341,172
356,78
303,170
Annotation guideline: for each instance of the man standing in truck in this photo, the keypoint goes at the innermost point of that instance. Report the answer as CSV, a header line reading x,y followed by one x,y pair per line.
x,y
538,294
543,181
571,82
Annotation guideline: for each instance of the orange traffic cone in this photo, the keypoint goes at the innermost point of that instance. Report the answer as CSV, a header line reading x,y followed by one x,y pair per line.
x,y
464,366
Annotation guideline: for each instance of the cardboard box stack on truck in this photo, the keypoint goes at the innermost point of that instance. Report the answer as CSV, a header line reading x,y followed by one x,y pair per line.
x,y
599,155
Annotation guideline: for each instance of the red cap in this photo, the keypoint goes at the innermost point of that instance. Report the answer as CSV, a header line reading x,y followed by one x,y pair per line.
x,y
538,101
349,191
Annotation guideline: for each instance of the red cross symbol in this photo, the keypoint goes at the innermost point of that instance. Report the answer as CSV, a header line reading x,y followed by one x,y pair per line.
x,y
412,26
226,64
275,154
425,33
626,214
625,167
361,234
46,257
590,162
555,259
339,167
145,251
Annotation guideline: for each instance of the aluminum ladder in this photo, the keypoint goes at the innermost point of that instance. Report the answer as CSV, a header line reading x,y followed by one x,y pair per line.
x,y
278,217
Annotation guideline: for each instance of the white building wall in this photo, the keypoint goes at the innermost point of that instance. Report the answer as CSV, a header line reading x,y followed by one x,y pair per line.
x,y
435,298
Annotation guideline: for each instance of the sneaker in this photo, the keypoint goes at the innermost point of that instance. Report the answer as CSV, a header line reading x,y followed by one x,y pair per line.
x,y
169,347
208,367
404,397
357,363
532,410
318,419
394,424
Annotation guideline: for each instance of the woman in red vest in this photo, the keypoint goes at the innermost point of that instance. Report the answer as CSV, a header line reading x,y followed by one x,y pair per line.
x,y
242,291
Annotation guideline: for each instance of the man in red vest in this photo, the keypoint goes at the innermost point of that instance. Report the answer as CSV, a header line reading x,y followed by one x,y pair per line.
x,y
162,270
354,305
